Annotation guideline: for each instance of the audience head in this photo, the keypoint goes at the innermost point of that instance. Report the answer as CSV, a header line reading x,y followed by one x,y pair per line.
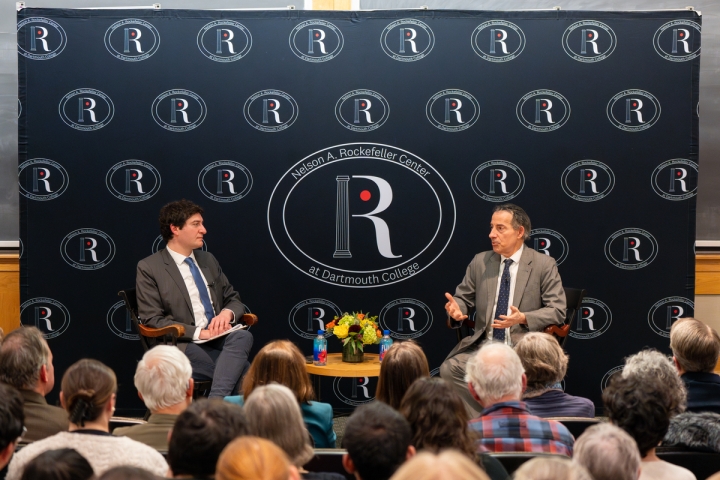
x,y
176,214
88,392
127,473
543,359
377,439
651,363
280,362
26,361
62,464
494,374
641,407
163,378
608,453
551,468
695,346
404,363
437,416
11,422
254,458
200,434
448,465
274,414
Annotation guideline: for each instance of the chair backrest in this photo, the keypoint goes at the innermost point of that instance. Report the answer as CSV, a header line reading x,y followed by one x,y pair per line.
x,y
577,425
573,299
512,460
702,464
328,460
130,298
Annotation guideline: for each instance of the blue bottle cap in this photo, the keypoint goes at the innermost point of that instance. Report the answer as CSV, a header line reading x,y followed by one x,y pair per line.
x,y
386,332
321,332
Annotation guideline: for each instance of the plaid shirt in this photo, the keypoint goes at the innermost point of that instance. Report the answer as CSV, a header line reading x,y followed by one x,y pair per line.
x,y
509,427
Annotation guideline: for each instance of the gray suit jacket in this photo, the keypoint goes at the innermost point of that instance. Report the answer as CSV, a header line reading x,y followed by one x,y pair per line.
x,y
538,294
163,298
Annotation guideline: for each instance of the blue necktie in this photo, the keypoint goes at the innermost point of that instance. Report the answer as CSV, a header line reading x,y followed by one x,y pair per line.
x,y
202,290
503,300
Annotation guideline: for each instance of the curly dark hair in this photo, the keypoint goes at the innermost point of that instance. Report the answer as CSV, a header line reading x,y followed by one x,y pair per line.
x,y
641,407
437,416
176,213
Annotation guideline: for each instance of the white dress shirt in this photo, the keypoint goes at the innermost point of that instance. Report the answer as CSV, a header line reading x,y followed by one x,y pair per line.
x,y
515,257
198,310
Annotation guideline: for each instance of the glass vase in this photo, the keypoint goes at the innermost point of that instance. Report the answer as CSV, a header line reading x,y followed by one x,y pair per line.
x,y
351,356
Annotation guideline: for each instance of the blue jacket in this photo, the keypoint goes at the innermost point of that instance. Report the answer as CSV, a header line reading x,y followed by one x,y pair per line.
x,y
318,417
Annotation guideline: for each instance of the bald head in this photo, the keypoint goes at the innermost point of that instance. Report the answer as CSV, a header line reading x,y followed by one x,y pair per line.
x,y
495,374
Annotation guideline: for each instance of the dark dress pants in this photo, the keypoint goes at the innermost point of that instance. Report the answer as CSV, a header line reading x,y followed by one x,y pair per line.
x,y
224,361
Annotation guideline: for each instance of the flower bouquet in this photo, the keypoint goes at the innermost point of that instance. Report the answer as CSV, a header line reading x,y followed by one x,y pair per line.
x,y
355,330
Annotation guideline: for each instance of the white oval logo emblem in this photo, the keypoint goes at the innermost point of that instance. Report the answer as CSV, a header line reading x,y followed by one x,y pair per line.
x,y
631,248
362,110
225,181
591,320
676,179
47,315
86,109
633,110
270,110
498,41
497,181
589,41
120,322
40,38
42,179
407,40
224,41
316,41
452,110
132,40
667,311
406,318
133,180
588,181
543,110
87,249
550,243
678,41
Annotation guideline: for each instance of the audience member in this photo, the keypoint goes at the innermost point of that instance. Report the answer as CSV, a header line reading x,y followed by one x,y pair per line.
x,y
128,473
696,348
273,413
26,363
496,380
696,431
200,434
545,365
253,458
11,423
62,464
163,379
642,407
88,395
282,362
439,420
404,363
378,440
551,468
608,453
651,363
448,465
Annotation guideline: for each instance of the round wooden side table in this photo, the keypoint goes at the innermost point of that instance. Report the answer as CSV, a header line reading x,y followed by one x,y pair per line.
x,y
370,367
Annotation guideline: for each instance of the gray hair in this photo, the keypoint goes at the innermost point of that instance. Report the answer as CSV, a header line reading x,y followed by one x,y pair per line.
x,y
651,363
608,453
163,377
495,371
273,413
520,217
23,352
551,468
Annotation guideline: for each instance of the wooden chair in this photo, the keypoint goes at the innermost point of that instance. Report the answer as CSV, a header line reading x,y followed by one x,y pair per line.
x,y
513,460
577,425
328,460
149,337
574,298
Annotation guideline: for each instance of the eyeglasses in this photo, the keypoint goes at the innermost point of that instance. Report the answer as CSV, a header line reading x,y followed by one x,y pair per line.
x,y
24,431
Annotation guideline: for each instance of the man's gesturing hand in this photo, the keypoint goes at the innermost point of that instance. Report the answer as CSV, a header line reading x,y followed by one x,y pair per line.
x,y
218,325
507,321
453,309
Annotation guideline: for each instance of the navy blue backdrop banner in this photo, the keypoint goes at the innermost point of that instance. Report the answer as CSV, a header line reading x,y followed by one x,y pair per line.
x,y
350,161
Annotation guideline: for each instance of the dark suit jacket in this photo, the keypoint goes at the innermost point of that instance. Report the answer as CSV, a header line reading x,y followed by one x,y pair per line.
x,y
538,294
163,298
703,391
42,420
154,433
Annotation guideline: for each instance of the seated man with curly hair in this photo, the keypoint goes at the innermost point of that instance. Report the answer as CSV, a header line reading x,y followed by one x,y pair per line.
x,y
642,406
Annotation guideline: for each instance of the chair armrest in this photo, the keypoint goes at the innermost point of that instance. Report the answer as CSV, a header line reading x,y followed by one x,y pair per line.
x,y
174,330
559,330
249,319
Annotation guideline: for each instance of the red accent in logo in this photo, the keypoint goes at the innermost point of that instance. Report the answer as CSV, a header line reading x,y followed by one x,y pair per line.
x,y
585,312
317,34
88,243
272,104
132,34
678,173
42,312
407,34
225,34
134,174
365,195
589,35
42,173
179,104
542,244
362,104
453,104
682,34
498,175
632,242
226,175
499,35
675,310
87,103
588,175
544,104
634,104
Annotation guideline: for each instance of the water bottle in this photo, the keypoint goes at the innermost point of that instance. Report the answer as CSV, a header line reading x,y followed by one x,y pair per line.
x,y
385,343
320,349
